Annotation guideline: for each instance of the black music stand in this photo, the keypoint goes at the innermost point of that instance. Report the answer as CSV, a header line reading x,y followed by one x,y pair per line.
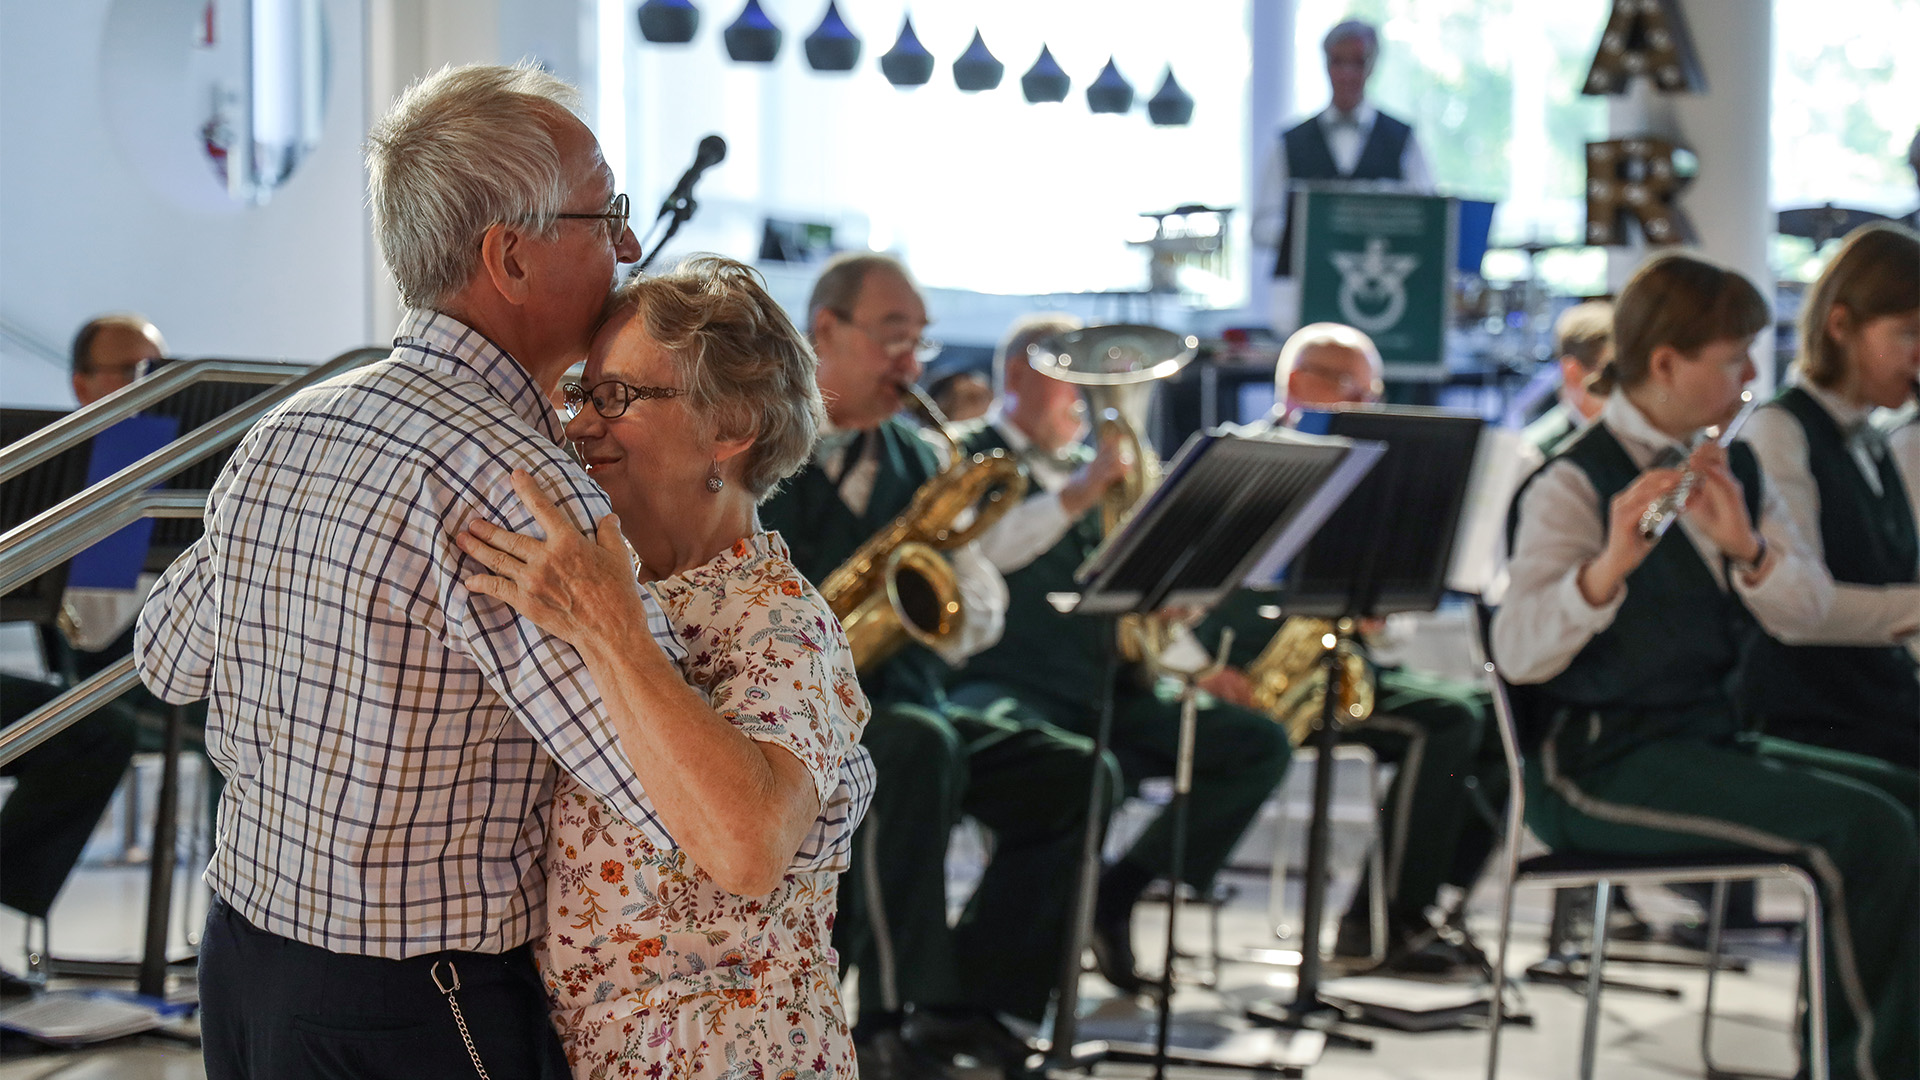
x,y
1385,550
1230,506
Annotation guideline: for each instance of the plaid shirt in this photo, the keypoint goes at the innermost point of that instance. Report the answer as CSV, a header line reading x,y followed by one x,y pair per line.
x,y
389,738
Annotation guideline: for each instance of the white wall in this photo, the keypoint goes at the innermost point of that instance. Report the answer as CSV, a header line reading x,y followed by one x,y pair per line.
x,y
84,228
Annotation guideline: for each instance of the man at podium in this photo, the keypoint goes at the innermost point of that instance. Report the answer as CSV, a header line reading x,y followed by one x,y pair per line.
x,y
1349,140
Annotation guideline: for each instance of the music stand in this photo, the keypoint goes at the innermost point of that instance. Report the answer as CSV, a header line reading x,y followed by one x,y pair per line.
x,y
1386,549
1230,505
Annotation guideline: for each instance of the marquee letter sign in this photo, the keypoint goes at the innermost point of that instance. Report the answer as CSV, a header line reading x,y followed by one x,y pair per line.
x,y
1645,37
1638,177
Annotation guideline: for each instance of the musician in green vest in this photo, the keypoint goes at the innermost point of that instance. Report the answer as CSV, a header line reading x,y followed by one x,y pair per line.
x,y
1850,684
1627,651
932,986
1434,830
1051,669
1581,337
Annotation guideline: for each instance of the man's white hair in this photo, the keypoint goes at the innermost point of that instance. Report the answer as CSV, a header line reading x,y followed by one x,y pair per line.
x,y
463,149
1354,30
1321,333
1026,331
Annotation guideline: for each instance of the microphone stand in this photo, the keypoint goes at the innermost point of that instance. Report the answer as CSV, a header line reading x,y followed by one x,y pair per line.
x,y
675,213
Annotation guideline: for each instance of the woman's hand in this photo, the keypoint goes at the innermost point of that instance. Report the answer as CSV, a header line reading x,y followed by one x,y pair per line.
x,y
1719,506
582,591
1600,579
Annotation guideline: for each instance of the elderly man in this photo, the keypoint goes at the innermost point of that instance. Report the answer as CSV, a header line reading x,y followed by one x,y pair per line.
x,y
932,986
1432,726
1052,668
1349,140
390,739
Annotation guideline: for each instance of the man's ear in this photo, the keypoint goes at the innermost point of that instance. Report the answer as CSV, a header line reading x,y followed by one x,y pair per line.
x,y
503,256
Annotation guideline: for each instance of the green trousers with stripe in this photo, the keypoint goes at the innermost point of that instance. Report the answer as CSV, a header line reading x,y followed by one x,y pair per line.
x,y
1677,795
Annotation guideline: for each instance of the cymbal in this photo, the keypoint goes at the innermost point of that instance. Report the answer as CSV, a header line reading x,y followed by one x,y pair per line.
x,y
1823,223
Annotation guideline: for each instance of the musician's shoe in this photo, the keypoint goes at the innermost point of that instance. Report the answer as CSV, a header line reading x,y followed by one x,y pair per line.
x,y
886,1055
1112,941
1412,948
969,1039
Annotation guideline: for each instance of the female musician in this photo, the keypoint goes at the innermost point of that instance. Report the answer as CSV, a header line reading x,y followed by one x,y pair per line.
x,y
1632,747
699,397
1859,348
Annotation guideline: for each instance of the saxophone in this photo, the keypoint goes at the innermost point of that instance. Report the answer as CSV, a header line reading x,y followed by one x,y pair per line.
x,y
897,587
1290,684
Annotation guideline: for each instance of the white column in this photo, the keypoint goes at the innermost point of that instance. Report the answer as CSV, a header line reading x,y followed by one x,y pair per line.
x,y
1269,105
1728,127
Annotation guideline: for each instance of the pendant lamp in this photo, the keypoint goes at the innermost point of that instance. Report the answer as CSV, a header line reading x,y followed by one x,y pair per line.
x,y
1045,81
832,46
908,63
1111,92
977,69
669,22
1170,106
753,39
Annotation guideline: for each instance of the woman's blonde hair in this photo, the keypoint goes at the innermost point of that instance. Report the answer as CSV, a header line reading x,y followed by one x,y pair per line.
x,y
748,371
1678,300
1876,272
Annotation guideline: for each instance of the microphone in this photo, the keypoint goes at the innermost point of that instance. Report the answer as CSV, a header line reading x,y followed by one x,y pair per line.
x,y
712,151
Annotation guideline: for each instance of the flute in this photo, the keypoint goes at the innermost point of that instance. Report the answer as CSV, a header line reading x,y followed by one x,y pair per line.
x,y
1662,512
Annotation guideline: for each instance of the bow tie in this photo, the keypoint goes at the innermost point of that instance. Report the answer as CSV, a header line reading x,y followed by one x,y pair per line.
x,y
1343,121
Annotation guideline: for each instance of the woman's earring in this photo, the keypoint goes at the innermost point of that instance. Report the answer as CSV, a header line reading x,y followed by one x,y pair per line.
x,y
714,483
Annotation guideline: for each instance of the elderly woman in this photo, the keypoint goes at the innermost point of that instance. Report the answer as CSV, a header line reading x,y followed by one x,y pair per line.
x,y
698,398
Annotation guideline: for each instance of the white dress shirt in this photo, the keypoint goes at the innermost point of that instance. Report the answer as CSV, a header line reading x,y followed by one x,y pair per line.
x,y
1544,620
1031,529
983,592
1346,141
1861,614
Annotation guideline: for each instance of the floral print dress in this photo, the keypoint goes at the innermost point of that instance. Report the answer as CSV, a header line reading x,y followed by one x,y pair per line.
x,y
652,970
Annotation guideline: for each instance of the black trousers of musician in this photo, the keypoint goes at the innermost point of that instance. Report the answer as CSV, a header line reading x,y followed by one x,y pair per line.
x,y
63,786
1435,822
272,1008
1239,757
1025,782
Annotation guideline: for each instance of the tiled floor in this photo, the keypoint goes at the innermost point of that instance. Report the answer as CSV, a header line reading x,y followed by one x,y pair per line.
x,y
1642,1037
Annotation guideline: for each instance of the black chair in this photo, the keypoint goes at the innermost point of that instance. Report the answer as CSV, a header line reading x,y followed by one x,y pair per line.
x,y
1602,871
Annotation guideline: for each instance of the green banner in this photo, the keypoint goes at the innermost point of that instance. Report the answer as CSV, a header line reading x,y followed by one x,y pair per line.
x,y
1378,262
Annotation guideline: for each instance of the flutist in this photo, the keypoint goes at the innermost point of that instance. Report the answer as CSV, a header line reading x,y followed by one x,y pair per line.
x,y
1850,684
1634,745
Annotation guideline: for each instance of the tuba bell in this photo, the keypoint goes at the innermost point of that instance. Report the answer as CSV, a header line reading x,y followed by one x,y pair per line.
x,y
1117,367
897,587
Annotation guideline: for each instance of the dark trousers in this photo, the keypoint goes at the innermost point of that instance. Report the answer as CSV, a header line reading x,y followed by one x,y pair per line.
x,y
1239,757
1680,795
272,1008
1433,832
63,786
1027,783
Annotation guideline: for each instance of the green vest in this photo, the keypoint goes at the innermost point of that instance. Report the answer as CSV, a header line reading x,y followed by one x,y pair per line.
x,y
1553,430
1060,659
821,532
1869,540
1666,664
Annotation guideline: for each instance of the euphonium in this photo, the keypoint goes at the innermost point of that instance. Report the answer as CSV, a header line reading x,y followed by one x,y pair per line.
x,y
1290,683
1117,367
897,587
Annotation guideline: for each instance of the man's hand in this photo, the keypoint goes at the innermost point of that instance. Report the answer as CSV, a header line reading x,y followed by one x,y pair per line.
x,y
1109,466
1230,685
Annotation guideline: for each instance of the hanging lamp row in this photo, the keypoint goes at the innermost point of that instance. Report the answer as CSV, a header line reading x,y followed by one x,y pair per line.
x,y
754,38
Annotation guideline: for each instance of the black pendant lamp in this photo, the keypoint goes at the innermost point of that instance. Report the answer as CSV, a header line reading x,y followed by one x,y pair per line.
x,y
753,39
1170,106
977,69
832,46
669,22
1111,92
908,63
1045,80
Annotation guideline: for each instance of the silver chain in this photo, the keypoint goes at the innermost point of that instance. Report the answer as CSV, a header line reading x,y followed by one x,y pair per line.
x,y
459,1019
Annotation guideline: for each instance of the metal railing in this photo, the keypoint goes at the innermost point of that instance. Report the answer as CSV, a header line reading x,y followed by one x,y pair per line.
x,y
57,533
